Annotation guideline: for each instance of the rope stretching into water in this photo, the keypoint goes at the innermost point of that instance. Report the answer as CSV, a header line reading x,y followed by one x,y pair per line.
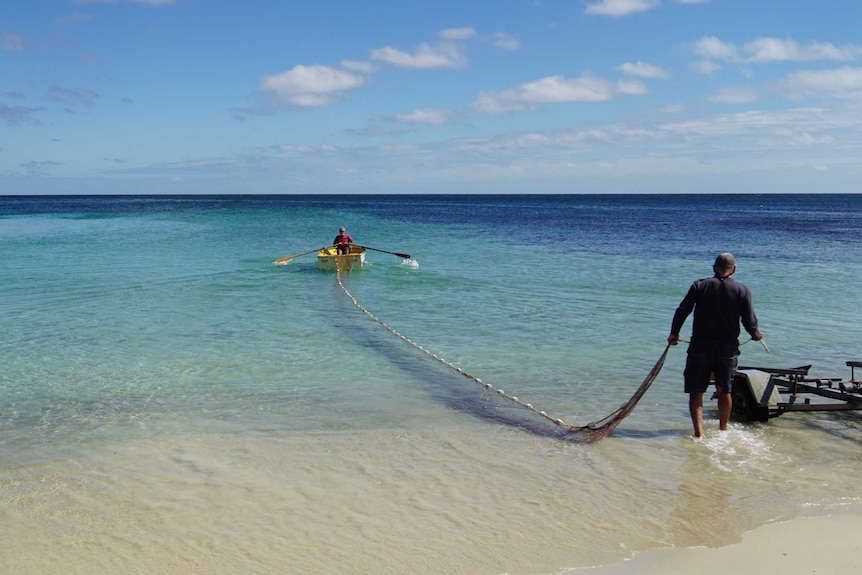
x,y
595,431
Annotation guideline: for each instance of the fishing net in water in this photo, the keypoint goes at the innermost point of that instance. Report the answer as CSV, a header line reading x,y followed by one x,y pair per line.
x,y
528,416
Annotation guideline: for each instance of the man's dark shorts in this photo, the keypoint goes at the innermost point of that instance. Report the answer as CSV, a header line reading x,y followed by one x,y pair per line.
x,y
705,358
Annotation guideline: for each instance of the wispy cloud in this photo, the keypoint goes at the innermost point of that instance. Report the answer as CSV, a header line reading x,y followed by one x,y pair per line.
x,y
18,115
817,123
842,83
774,50
735,95
632,88
620,8
426,56
800,127
75,18
428,116
40,168
359,66
305,149
501,40
642,70
705,67
506,41
71,96
549,90
458,33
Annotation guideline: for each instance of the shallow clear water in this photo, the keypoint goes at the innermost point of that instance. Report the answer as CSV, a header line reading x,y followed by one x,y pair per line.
x,y
171,401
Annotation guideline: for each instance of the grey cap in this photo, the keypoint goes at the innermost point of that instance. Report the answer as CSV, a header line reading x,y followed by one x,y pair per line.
x,y
725,261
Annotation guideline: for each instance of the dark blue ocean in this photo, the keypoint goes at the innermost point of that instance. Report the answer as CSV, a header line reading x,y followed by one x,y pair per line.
x,y
172,401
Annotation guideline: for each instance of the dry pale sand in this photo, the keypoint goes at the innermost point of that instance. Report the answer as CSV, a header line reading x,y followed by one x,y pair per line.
x,y
827,545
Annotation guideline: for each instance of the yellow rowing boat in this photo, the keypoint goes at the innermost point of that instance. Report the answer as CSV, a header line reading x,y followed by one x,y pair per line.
x,y
328,259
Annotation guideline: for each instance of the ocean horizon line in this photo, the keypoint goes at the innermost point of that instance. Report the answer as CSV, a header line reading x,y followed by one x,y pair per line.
x,y
426,194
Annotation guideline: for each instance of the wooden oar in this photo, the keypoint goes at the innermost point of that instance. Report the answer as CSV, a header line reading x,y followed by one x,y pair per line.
x,y
282,261
405,256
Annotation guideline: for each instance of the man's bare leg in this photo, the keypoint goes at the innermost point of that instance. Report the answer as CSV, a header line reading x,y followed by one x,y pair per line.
x,y
695,408
725,406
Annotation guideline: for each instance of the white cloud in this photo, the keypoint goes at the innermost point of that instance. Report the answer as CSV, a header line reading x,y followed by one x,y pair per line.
x,y
774,50
506,41
734,95
562,89
775,125
642,70
430,116
358,66
309,86
619,8
443,55
713,48
632,88
457,33
305,149
844,83
549,90
705,67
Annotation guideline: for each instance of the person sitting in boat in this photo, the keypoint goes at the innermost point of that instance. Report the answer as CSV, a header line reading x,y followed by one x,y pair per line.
x,y
342,242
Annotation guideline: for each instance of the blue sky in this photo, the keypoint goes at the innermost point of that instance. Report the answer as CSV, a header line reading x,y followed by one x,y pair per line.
x,y
432,96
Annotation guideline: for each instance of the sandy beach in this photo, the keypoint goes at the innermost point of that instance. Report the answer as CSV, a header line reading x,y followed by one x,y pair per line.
x,y
807,545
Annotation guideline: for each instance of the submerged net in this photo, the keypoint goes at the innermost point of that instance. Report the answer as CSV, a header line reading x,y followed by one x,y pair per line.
x,y
536,420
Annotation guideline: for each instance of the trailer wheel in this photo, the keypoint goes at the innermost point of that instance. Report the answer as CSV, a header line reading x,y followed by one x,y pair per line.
x,y
745,407
742,404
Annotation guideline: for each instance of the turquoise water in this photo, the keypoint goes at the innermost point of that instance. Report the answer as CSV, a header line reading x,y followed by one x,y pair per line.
x,y
171,401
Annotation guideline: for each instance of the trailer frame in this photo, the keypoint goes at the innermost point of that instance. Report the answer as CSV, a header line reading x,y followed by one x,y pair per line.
x,y
761,393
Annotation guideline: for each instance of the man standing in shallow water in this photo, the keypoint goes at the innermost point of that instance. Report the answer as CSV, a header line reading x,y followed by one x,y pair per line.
x,y
719,304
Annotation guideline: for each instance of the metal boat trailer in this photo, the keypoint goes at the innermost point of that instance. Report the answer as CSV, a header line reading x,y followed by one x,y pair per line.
x,y
760,393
